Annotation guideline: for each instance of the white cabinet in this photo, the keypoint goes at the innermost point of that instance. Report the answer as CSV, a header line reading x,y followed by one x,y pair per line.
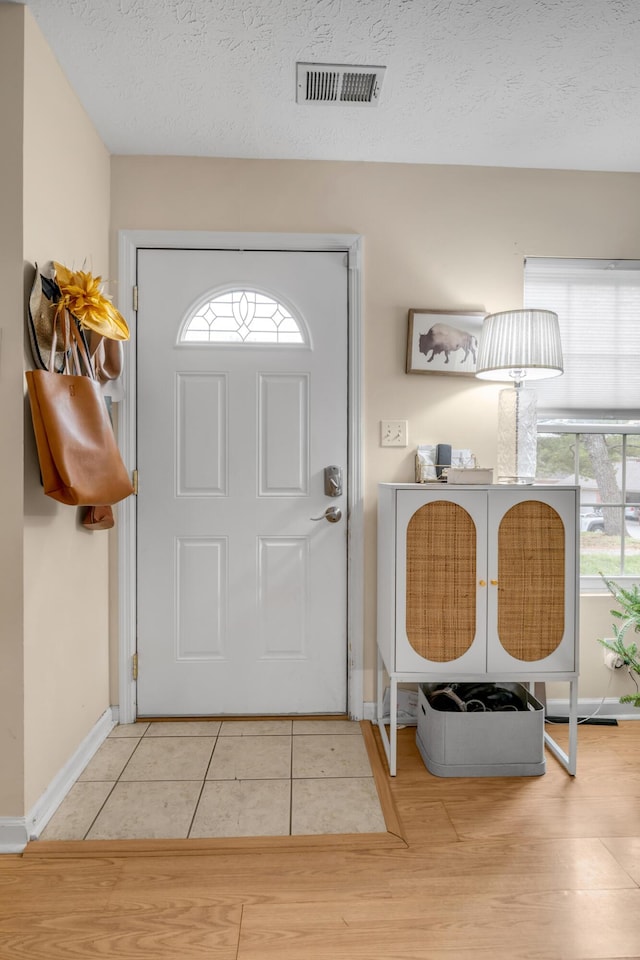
x,y
477,582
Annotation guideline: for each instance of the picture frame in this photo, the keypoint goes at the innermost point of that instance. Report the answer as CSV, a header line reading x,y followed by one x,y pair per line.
x,y
443,341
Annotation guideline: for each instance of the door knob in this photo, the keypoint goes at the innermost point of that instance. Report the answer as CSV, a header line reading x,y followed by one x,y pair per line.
x,y
332,514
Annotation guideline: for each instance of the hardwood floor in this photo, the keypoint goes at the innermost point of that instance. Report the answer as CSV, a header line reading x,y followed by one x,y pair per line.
x,y
544,868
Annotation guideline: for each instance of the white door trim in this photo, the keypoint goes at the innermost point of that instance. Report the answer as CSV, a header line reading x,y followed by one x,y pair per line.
x,y
128,243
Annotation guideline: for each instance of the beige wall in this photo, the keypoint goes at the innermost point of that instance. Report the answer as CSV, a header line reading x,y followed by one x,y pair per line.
x,y
11,412
54,204
596,680
444,237
439,237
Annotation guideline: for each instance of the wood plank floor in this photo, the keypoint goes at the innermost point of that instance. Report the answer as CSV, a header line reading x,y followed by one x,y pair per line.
x,y
544,868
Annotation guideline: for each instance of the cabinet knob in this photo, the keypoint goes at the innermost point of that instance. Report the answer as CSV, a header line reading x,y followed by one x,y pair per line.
x,y
482,583
494,583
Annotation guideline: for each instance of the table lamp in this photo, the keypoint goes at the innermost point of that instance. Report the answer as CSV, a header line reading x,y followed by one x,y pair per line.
x,y
516,346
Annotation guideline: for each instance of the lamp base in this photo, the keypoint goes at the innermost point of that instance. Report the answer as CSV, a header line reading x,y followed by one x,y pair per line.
x,y
517,436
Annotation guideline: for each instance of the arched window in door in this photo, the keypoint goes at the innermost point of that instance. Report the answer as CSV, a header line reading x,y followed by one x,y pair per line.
x,y
242,316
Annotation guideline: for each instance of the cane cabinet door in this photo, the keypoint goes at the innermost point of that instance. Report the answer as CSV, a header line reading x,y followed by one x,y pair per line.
x,y
441,592
531,592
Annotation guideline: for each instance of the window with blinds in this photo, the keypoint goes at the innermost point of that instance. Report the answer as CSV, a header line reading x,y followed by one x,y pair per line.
x,y
589,418
598,307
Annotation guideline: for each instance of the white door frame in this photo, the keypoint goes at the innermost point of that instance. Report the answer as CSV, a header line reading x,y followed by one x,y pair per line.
x,y
128,243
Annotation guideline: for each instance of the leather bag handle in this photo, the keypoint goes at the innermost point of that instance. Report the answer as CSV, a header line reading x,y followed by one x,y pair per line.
x,y
74,348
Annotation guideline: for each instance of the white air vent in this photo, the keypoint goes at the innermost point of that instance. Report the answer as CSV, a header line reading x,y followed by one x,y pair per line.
x,y
338,83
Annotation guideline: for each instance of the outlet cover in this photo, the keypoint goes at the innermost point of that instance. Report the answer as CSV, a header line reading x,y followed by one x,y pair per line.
x,y
394,433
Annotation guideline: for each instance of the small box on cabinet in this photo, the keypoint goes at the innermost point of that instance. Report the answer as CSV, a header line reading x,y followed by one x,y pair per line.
x,y
469,475
498,743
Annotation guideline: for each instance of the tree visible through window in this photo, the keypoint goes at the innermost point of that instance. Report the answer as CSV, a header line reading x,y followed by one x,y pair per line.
x,y
606,466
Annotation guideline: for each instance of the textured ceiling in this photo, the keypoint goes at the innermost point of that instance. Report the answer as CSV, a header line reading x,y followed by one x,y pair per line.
x,y
543,83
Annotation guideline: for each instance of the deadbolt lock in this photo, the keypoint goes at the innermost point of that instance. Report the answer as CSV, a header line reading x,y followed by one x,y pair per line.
x,y
333,481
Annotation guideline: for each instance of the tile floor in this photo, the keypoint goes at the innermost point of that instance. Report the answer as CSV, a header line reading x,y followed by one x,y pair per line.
x,y
231,778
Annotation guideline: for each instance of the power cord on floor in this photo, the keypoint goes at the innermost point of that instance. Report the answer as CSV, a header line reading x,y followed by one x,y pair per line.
x,y
591,715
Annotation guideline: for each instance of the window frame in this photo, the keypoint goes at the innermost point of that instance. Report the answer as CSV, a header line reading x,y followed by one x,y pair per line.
x,y
570,423
591,295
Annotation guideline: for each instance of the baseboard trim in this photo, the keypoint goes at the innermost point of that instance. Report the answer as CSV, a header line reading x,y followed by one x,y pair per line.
x,y
46,806
610,707
15,832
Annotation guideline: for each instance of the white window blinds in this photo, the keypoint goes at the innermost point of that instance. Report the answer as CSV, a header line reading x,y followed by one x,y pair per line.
x,y
598,307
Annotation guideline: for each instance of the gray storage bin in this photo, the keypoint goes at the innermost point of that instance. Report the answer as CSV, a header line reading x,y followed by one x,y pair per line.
x,y
493,744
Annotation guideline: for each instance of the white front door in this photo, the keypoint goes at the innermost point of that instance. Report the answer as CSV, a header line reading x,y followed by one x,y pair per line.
x,y
242,403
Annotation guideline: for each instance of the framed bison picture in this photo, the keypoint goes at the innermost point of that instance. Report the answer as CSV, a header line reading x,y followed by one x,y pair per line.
x,y
443,341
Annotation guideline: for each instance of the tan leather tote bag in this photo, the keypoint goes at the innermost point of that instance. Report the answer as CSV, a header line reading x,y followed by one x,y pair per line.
x,y
79,459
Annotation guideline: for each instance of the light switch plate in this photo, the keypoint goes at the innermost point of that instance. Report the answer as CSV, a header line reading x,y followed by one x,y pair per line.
x,y
393,433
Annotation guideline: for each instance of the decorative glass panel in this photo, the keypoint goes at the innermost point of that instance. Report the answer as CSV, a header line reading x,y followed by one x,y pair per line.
x,y
242,316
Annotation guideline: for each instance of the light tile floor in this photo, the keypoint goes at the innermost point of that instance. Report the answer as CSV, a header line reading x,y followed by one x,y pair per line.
x,y
231,778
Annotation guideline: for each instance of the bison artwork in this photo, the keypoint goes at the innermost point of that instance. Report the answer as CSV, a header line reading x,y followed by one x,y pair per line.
x,y
441,338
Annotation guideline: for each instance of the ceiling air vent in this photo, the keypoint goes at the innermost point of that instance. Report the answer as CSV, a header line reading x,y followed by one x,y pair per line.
x,y
338,83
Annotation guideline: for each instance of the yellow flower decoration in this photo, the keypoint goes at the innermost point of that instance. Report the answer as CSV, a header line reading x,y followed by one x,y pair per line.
x,y
82,296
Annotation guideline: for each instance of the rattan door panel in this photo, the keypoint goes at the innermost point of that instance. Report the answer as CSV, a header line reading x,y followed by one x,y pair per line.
x,y
441,552
531,580
531,614
440,597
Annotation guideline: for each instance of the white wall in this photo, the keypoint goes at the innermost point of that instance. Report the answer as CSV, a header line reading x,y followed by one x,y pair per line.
x,y
434,237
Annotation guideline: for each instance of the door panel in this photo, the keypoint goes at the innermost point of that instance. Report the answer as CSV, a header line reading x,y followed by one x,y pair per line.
x,y
532,569
432,619
441,581
241,596
283,575
202,441
283,435
201,593
532,589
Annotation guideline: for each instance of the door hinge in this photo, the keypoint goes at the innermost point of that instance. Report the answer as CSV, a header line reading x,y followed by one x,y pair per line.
x,y
134,667
134,481
135,297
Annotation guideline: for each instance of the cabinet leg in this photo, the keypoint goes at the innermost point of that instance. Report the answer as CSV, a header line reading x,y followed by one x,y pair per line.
x,y
568,761
388,739
393,724
573,727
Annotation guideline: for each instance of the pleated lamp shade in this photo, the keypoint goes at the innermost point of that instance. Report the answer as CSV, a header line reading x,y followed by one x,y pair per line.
x,y
520,345
516,346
